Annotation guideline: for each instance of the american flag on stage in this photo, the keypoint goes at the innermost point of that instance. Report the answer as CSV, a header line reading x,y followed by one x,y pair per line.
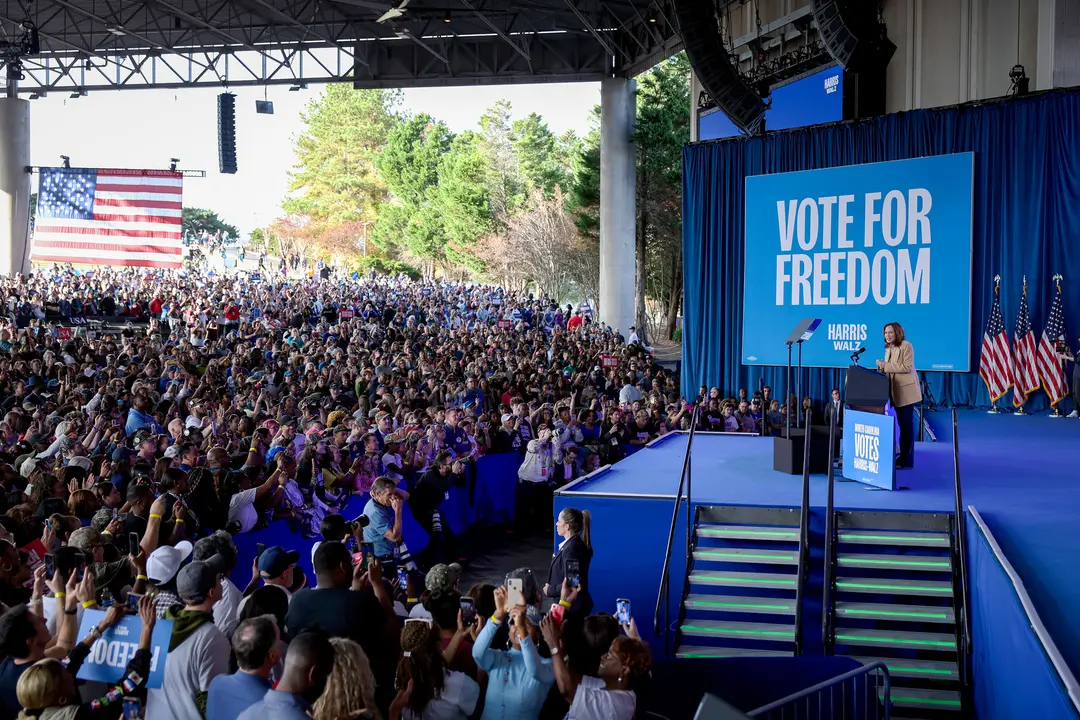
x,y
109,217
1053,380
995,365
1025,371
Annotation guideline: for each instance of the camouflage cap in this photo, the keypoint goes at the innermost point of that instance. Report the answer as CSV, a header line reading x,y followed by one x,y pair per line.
x,y
442,578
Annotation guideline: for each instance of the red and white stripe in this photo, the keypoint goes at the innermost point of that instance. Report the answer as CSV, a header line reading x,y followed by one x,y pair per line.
x,y
1026,371
137,221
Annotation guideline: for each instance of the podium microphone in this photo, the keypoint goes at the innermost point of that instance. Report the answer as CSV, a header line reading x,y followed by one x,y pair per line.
x,y
855,355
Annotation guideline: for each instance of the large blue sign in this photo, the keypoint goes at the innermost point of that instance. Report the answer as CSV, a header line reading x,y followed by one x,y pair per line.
x,y
116,647
869,448
861,246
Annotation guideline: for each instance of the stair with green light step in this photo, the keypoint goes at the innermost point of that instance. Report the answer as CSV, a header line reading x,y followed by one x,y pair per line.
x,y
689,652
903,697
889,538
895,562
740,579
753,557
768,632
740,604
899,613
859,637
921,669
895,586
749,532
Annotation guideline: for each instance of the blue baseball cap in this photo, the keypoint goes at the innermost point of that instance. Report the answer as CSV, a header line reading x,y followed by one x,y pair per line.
x,y
276,560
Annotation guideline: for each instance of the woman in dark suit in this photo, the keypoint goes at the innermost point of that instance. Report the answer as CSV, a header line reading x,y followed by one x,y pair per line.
x,y
573,526
904,391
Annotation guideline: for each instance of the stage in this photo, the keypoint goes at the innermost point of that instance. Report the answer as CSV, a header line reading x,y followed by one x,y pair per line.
x,y
1020,473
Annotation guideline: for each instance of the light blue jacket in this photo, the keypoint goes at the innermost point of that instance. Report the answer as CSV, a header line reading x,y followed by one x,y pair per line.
x,y
518,680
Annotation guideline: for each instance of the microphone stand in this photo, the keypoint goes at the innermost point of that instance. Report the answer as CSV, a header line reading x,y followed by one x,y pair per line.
x,y
787,389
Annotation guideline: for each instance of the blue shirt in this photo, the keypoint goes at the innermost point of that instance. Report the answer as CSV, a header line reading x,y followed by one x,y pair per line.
x,y
382,522
518,680
230,695
278,706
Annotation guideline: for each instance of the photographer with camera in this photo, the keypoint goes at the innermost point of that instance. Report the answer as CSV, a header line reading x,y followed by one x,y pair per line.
x,y
1063,352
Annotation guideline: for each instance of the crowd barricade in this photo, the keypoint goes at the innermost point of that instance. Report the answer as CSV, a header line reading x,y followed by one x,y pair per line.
x,y
491,502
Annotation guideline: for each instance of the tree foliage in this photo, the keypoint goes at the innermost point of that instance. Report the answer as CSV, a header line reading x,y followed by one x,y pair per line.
x,y
335,179
196,220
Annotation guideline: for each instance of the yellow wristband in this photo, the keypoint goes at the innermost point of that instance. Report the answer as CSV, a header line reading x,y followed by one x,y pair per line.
x,y
106,532
178,521
495,620
89,604
142,577
564,603
60,595
155,516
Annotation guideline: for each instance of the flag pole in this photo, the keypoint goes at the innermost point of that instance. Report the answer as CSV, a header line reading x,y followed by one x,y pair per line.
x,y
994,409
1020,409
1061,360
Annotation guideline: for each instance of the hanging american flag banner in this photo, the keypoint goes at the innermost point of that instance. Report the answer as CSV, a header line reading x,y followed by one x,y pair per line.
x,y
1050,371
109,217
995,364
1025,371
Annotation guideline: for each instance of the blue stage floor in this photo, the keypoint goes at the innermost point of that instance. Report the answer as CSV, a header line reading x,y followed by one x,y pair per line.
x,y
1021,473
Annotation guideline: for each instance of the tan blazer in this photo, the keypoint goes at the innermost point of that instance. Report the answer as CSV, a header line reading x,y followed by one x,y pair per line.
x,y
903,380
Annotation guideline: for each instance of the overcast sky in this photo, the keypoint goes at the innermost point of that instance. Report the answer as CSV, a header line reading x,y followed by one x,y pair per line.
x,y
144,128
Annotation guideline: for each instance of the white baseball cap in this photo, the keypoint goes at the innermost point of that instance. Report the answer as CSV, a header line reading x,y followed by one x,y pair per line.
x,y
165,562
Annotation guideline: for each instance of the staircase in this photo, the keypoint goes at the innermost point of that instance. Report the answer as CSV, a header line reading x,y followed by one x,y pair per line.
x,y
742,592
893,595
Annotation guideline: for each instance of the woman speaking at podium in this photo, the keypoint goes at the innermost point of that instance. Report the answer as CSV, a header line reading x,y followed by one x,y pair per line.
x,y
899,365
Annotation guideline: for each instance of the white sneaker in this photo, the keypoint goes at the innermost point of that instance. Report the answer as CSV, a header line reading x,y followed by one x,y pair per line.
x,y
1074,413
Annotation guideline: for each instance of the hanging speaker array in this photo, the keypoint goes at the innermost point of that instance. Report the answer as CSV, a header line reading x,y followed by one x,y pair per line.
x,y
226,115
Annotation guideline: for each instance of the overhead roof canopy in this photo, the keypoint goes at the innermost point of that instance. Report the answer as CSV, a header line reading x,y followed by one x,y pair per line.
x,y
103,44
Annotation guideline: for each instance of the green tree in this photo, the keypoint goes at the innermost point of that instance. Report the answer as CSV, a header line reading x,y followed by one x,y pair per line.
x,y
335,180
409,165
540,154
462,199
196,220
503,174
663,127
583,200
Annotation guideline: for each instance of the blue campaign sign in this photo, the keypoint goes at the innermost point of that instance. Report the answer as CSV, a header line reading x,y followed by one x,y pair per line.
x,y
861,246
113,650
869,448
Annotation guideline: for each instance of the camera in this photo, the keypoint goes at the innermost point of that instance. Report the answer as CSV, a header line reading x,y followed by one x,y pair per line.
x,y
361,522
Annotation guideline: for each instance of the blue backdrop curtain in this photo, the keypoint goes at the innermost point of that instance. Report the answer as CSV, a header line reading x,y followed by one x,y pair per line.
x,y
1027,221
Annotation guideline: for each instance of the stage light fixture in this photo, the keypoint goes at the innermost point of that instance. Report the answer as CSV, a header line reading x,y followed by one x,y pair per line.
x,y
1019,81
298,86
66,160
446,17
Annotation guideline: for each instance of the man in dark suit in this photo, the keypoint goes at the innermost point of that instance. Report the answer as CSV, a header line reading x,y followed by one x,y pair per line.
x,y
835,408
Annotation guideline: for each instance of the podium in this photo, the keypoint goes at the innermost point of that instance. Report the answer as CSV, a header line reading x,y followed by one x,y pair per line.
x,y
866,390
868,447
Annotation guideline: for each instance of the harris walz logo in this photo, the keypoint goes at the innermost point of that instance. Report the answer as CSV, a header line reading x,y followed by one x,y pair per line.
x,y
832,83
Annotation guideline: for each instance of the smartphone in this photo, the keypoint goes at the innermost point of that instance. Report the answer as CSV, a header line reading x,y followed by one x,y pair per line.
x,y
573,573
50,564
403,578
260,548
133,601
514,592
367,550
622,611
133,543
468,611
133,708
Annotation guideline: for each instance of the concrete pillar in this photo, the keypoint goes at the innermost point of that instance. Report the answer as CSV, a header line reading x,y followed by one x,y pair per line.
x,y
14,186
618,204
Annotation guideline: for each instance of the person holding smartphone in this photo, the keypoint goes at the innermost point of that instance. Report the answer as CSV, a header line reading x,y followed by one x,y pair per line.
x,y
571,561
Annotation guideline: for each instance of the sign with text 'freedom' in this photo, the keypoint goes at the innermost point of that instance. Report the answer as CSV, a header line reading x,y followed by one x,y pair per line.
x,y
861,246
116,647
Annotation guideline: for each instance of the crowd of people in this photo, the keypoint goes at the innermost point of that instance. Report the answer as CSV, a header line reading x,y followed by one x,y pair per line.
x,y
131,460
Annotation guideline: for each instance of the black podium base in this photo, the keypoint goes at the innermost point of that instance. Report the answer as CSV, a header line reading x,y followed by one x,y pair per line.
x,y
788,452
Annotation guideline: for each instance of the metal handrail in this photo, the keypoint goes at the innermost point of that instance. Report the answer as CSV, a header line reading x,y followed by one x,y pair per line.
x,y
804,535
830,532
665,576
791,700
964,629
